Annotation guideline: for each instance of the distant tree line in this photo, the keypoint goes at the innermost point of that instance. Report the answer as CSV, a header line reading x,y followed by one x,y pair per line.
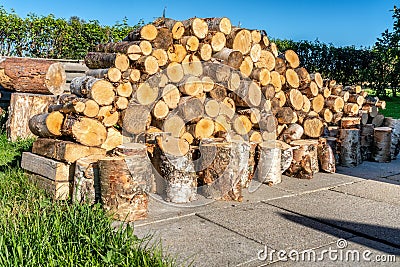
x,y
50,37
377,67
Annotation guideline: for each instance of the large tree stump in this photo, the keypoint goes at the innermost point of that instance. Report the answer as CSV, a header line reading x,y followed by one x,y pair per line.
x,y
180,176
222,164
248,175
326,156
121,193
366,141
395,125
30,75
382,144
305,159
350,155
268,169
22,108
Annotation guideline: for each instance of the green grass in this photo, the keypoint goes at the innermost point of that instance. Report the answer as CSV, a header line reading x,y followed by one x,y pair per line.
x,y
35,231
392,104
392,107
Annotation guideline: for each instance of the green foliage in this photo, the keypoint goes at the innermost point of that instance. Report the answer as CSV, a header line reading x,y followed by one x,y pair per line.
x,y
10,152
35,231
392,107
50,37
377,67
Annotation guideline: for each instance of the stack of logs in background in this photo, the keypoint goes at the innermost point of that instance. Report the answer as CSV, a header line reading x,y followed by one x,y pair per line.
x,y
213,106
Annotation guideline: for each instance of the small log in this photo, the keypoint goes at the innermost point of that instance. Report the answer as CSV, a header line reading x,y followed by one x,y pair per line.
x,y
313,127
212,108
284,115
327,115
242,125
99,90
124,89
335,103
351,109
230,57
219,24
269,163
317,103
382,144
350,122
95,60
86,131
196,26
205,52
293,132
204,128
217,40
267,60
255,52
311,90
248,95
145,94
262,75
176,27
192,65
171,96
292,78
317,78
46,124
32,75
296,99
163,39
246,67
122,191
326,156
160,110
377,121
292,58
239,39
121,103
350,155
358,99
161,56
191,85
190,109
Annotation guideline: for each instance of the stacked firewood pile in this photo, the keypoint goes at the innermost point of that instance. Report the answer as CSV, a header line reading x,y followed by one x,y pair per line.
x,y
215,106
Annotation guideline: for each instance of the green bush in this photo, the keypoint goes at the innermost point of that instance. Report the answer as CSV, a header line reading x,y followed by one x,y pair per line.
x,y
50,37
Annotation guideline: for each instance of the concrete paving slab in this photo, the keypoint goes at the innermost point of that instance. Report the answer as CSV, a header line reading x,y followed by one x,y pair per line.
x,y
357,251
372,170
263,192
320,181
193,239
267,225
160,210
375,190
367,217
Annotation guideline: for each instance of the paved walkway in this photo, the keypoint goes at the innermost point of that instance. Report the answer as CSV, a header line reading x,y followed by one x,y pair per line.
x,y
326,221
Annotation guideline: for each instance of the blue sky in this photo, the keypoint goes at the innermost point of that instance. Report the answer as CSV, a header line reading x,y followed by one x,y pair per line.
x,y
339,22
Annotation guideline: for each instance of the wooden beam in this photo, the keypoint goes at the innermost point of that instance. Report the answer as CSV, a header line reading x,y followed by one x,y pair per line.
x,y
48,168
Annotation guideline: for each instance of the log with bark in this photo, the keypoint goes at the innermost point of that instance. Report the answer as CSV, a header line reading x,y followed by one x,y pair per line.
x,y
382,144
305,159
122,191
350,155
30,75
